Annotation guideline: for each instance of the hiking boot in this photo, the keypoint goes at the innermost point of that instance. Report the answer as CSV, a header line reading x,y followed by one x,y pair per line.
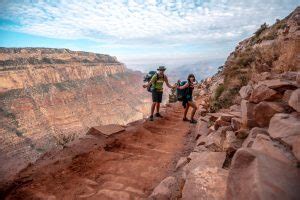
x,y
193,121
151,118
185,119
158,115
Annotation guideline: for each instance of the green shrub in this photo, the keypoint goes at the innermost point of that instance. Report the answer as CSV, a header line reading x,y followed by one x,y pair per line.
x,y
263,27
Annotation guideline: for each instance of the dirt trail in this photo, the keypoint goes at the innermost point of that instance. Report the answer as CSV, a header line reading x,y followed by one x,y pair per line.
x,y
126,167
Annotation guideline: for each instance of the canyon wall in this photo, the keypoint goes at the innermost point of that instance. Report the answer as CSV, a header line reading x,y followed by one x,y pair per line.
x,y
48,97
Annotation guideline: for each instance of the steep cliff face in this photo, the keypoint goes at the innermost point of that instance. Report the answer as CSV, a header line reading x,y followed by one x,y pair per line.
x,y
50,96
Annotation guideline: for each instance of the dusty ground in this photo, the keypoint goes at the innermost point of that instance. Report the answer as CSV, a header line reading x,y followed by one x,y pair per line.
x,y
128,166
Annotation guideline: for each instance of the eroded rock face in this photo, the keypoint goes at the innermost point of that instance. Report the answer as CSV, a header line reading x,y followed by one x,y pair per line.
x,y
255,175
48,97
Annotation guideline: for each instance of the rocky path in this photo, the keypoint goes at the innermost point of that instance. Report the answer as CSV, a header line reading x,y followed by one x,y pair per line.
x,y
126,167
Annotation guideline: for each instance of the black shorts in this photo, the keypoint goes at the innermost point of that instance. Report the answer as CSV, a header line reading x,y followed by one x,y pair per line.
x,y
157,96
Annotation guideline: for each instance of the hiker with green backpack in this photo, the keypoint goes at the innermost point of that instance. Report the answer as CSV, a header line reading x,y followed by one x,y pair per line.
x,y
155,86
185,94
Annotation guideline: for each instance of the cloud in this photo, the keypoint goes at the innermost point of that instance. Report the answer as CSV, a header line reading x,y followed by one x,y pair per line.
x,y
164,21
154,25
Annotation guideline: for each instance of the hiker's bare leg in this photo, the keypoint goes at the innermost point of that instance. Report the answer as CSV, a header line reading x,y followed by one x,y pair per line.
x,y
153,108
193,105
157,107
186,110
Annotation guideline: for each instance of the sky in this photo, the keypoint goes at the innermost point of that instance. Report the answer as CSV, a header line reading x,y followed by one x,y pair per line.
x,y
141,33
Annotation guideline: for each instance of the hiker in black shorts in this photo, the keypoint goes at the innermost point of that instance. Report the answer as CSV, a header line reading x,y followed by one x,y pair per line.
x,y
156,84
188,98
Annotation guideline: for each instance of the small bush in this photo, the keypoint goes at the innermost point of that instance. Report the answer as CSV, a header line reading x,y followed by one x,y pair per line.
x,y
263,27
220,89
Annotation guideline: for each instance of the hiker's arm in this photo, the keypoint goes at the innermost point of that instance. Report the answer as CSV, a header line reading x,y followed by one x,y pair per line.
x,y
168,84
149,83
183,87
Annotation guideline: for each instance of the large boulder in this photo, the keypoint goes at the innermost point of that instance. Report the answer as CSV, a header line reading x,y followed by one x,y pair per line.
x,y
279,85
292,76
284,125
264,144
255,175
264,111
203,159
202,129
252,135
246,91
247,114
164,189
231,142
205,183
262,93
219,123
294,100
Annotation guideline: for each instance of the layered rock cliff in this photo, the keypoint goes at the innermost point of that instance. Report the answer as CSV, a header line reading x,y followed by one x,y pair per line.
x,y
48,97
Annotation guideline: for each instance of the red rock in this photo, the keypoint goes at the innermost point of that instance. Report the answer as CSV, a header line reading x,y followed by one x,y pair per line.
x,y
242,133
164,189
284,125
235,108
203,160
252,135
298,79
255,175
202,129
213,141
294,142
294,100
246,91
247,114
231,143
278,84
219,122
286,96
236,123
208,183
223,116
264,111
181,162
292,76
262,93
264,144
106,130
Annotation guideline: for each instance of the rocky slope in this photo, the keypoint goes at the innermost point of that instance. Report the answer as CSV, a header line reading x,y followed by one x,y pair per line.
x,y
248,131
273,49
48,97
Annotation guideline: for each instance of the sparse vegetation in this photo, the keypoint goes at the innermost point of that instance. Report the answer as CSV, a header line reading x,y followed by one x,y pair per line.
x,y
62,139
263,27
